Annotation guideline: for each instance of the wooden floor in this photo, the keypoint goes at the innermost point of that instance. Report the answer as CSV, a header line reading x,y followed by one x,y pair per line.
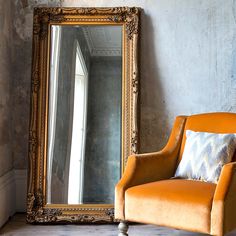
x,y
17,226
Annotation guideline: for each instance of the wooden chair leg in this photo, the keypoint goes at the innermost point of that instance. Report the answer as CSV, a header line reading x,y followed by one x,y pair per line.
x,y
123,228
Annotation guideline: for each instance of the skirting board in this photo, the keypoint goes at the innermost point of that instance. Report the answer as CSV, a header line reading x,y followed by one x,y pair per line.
x,y
7,196
13,191
21,190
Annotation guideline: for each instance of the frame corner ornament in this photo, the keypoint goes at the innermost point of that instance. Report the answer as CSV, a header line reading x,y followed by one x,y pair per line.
x,y
129,15
36,213
42,17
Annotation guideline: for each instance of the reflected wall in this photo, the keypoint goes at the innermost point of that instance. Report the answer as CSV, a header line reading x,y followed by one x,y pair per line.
x,y
103,130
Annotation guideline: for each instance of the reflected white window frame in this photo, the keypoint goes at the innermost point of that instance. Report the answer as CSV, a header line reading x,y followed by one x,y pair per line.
x,y
76,169
54,66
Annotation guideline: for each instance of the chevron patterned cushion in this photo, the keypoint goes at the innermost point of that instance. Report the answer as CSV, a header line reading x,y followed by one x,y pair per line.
x,y
205,154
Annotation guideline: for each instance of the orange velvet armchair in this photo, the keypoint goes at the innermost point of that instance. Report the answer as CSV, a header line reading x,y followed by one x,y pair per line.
x,y
147,194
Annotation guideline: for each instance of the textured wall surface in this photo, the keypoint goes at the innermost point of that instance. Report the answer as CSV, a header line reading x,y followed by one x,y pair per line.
x,y
21,68
188,63
5,86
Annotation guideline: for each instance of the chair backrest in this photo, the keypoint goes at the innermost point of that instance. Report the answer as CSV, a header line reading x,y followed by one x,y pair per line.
x,y
219,122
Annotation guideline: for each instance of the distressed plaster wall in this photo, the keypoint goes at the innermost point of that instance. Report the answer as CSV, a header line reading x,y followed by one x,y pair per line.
x,y
188,63
5,86
21,76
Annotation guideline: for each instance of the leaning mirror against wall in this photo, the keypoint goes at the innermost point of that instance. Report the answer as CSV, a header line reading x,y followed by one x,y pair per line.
x,y
84,111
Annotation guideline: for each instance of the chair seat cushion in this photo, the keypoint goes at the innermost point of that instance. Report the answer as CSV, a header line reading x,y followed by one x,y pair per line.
x,y
177,203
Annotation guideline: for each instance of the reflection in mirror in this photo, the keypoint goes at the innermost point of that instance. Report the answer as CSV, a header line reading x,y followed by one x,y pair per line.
x,y
84,124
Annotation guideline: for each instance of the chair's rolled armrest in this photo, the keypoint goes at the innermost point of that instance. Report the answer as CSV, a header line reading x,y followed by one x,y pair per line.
x,y
145,168
224,201
224,181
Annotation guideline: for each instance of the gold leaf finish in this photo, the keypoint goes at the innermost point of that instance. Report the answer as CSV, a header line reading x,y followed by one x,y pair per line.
x,y
38,211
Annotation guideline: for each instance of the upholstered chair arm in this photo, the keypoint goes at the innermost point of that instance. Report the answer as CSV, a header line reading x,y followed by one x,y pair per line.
x,y
145,168
223,212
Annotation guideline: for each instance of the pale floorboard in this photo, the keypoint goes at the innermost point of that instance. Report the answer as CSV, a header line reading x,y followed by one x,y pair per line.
x,y
17,227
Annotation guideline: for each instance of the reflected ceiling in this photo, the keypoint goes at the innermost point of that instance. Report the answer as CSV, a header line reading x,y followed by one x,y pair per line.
x,y
104,40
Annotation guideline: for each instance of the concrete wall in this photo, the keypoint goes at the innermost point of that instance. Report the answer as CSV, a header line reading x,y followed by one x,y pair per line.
x,y
103,146
5,87
7,198
22,47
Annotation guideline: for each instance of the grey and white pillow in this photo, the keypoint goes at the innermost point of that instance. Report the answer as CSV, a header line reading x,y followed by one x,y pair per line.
x,y
205,154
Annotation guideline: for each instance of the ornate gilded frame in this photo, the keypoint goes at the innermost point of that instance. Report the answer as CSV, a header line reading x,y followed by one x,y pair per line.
x,y
37,209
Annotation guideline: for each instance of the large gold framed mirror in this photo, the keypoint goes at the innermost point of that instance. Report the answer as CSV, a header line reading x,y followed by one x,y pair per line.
x,y
84,111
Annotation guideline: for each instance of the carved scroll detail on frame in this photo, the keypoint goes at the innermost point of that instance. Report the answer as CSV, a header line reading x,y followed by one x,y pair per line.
x,y
131,19
127,15
134,141
103,217
37,212
42,17
35,81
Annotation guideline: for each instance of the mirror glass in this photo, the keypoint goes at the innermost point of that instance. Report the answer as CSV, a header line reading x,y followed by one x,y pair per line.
x,y
84,114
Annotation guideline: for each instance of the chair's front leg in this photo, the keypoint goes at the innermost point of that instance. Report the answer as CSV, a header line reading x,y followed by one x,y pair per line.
x,y
123,228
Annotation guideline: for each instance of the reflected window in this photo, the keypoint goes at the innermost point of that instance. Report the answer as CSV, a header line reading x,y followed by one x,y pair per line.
x,y
76,172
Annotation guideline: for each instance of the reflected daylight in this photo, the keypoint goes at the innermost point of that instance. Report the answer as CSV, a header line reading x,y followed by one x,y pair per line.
x,y
84,116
